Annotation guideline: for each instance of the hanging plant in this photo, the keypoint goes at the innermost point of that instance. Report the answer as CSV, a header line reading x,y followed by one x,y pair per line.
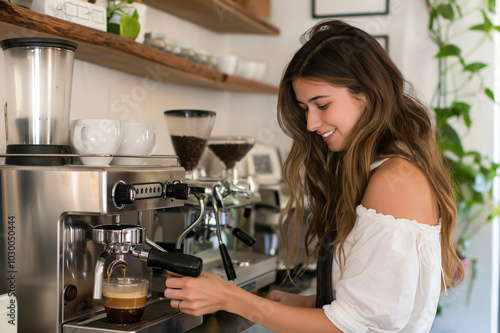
x,y
460,83
128,25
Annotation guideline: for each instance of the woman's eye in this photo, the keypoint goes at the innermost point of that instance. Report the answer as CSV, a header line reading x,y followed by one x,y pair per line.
x,y
323,107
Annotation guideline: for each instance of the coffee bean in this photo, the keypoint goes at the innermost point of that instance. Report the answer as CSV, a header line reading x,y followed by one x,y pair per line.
x,y
188,149
230,153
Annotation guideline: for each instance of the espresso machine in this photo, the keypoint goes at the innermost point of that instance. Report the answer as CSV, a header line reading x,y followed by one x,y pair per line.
x,y
222,233
64,225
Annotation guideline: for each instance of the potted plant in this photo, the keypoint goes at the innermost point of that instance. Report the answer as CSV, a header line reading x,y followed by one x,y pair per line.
x,y
460,81
120,21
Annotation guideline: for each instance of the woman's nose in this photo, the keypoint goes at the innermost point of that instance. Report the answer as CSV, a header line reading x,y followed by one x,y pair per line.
x,y
313,121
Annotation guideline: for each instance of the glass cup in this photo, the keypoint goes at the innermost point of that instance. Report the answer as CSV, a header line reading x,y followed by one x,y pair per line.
x,y
125,299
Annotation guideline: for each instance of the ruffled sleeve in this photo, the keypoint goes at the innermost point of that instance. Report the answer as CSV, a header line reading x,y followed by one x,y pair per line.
x,y
391,275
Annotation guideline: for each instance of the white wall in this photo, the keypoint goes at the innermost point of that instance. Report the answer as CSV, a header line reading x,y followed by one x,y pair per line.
x,y
101,92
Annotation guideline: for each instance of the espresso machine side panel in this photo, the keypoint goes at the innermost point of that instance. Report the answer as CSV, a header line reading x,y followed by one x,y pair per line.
x,y
32,201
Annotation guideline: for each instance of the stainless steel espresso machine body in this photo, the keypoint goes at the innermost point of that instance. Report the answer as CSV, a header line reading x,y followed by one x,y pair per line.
x,y
226,222
48,217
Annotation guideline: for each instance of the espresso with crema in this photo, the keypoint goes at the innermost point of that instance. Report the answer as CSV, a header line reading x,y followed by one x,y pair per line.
x,y
124,302
124,307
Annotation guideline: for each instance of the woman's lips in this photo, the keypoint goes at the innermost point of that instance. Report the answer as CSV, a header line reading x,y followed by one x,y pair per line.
x,y
328,134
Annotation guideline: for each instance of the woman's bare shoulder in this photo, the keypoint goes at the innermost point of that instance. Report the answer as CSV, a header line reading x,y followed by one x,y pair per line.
x,y
399,188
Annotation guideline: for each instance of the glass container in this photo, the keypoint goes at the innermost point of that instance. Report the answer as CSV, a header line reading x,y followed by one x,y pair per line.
x,y
230,150
189,131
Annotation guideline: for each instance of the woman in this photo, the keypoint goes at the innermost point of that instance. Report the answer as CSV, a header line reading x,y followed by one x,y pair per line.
x,y
364,159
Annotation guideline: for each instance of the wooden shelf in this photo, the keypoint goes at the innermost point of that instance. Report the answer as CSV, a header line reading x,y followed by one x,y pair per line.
x,y
113,51
223,16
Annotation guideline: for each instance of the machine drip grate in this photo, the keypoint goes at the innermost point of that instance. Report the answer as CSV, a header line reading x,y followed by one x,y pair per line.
x,y
152,312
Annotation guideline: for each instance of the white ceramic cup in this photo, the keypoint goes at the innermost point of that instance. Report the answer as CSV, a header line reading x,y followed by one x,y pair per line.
x,y
95,136
260,70
227,63
248,70
137,139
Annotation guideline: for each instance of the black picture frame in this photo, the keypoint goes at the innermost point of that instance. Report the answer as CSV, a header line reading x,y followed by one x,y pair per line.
x,y
383,40
324,13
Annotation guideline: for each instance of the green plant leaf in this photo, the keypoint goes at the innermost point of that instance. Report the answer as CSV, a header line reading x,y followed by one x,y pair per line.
x,y
449,50
475,67
465,172
135,15
490,94
113,28
450,140
477,156
457,109
491,6
129,27
462,109
442,115
487,26
446,11
459,10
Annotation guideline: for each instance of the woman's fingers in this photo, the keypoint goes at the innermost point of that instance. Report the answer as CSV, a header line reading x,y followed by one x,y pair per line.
x,y
173,293
174,282
274,295
174,274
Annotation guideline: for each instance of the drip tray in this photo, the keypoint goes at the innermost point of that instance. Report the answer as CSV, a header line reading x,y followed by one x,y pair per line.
x,y
253,270
158,317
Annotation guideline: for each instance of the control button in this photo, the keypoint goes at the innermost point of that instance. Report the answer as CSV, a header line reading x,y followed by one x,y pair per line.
x,y
177,190
70,292
124,194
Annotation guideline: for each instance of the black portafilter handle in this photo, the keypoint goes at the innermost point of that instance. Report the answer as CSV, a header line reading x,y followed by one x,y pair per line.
x,y
243,236
227,263
175,262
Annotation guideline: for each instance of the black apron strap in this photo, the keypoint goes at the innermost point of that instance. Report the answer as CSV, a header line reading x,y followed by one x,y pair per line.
x,y
324,283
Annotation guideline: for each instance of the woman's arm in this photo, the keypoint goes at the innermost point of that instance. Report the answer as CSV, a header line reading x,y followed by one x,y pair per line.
x,y
209,293
292,299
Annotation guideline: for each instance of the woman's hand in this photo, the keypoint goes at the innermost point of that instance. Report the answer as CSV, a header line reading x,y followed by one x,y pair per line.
x,y
292,299
207,293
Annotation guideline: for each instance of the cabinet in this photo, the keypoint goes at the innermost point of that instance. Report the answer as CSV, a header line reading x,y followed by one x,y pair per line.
x,y
113,51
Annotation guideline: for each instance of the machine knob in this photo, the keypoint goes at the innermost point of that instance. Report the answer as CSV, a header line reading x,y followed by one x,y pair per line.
x,y
70,292
124,194
177,190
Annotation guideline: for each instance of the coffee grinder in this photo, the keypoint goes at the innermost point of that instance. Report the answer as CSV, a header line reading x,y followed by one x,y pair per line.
x,y
62,225
221,234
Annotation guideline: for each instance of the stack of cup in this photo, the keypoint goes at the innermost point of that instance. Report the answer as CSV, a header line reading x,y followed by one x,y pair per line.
x,y
110,137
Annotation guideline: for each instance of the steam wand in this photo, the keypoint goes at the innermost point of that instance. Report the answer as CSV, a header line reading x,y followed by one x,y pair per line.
x,y
200,197
226,259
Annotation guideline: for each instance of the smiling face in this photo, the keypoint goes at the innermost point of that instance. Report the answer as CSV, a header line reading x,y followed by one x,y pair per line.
x,y
331,112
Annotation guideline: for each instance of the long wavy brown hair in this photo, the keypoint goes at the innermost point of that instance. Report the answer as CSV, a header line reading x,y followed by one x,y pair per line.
x,y
394,123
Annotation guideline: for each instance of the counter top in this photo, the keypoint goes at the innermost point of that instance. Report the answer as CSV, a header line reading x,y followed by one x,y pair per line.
x,y
225,322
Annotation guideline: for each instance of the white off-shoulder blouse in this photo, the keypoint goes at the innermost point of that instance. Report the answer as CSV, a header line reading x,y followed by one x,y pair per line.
x,y
391,278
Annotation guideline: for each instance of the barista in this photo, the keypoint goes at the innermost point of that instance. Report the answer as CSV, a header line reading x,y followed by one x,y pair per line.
x,y
382,203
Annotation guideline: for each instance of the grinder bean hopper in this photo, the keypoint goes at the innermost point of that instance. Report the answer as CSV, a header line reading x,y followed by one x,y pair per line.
x,y
189,131
230,150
